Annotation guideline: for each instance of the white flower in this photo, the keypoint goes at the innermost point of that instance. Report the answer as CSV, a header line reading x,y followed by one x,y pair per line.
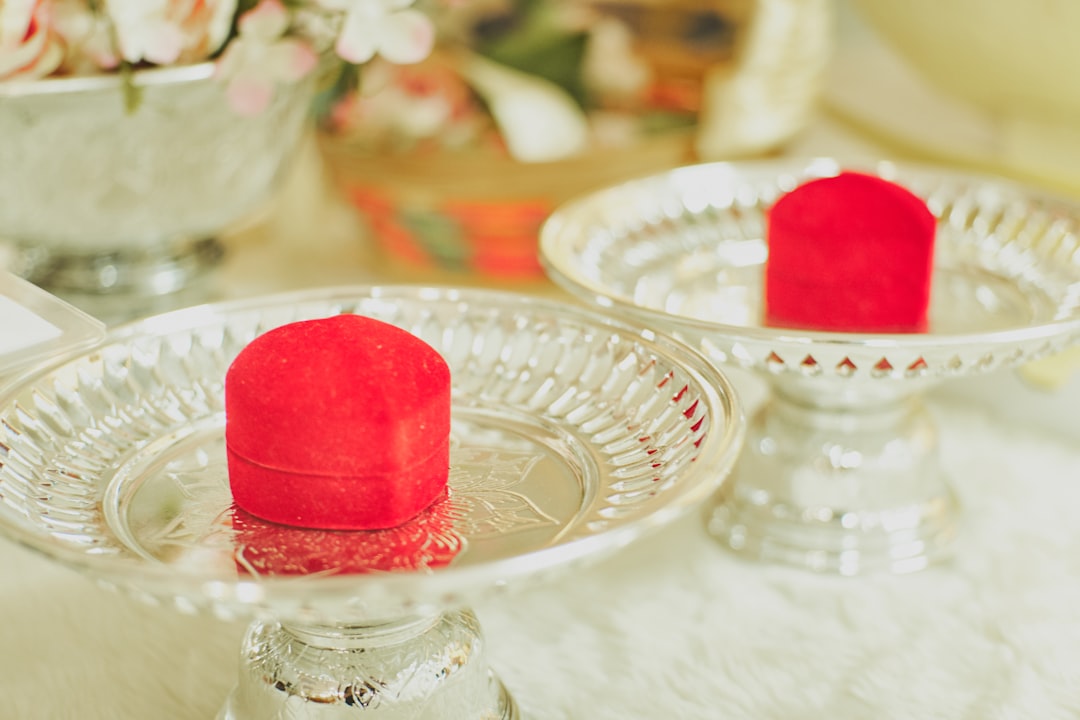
x,y
29,48
87,37
275,42
164,32
382,27
261,56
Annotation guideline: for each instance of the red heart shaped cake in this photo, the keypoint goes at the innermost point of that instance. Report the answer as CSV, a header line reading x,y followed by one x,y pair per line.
x,y
850,253
338,423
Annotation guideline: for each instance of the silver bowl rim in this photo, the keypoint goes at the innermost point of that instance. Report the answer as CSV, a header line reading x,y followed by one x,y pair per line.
x,y
106,82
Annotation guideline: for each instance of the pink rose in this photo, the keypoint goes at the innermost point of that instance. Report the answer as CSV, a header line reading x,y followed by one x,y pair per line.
x,y
29,47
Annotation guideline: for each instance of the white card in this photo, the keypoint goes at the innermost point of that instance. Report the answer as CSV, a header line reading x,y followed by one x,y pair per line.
x,y
20,328
36,326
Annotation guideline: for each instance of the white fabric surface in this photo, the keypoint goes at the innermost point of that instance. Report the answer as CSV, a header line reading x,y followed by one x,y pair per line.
x,y
673,626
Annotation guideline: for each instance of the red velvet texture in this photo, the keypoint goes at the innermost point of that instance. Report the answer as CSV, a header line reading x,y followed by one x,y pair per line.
x,y
339,423
850,253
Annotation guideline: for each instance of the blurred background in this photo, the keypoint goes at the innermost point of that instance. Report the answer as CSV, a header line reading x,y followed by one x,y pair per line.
x,y
443,171
449,166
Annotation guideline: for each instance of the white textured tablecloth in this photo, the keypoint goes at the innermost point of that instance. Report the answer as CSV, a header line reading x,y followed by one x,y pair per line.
x,y
673,626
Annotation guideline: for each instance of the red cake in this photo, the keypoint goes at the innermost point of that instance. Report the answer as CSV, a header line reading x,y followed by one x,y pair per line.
x,y
850,253
338,423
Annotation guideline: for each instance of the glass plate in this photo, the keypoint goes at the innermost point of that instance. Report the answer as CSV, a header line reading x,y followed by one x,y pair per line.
x,y
572,434
686,249
840,471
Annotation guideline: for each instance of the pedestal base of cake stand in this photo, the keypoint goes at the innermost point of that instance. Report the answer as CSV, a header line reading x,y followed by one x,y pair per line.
x,y
422,668
842,479
120,285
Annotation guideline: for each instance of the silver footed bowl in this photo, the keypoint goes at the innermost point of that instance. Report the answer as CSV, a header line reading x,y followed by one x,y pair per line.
x,y
572,435
840,471
100,202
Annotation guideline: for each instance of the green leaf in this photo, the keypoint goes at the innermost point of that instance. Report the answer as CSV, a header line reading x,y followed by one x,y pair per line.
x,y
334,86
538,46
132,92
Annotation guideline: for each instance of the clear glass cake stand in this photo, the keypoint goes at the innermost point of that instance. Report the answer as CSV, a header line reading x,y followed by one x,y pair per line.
x,y
841,471
572,435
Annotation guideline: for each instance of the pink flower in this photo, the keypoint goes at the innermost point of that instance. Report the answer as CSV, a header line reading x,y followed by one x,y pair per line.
x,y
261,56
382,27
29,48
405,106
165,32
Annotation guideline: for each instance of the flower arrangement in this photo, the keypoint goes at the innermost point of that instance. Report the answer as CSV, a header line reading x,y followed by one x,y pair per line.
x,y
256,44
545,79
455,161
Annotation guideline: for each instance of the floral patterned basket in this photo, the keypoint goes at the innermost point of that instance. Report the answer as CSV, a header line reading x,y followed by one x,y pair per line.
x,y
478,212
454,163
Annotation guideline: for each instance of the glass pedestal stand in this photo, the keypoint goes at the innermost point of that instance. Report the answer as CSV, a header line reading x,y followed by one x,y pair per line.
x,y
426,668
572,435
840,472
839,482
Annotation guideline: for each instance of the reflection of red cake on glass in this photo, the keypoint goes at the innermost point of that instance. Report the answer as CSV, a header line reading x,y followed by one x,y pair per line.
x,y
850,253
426,542
340,423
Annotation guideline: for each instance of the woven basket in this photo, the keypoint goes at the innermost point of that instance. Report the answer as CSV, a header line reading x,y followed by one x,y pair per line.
x,y
479,211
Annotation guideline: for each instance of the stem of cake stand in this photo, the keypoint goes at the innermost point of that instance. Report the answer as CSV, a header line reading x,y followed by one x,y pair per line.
x,y
420,668
841,476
